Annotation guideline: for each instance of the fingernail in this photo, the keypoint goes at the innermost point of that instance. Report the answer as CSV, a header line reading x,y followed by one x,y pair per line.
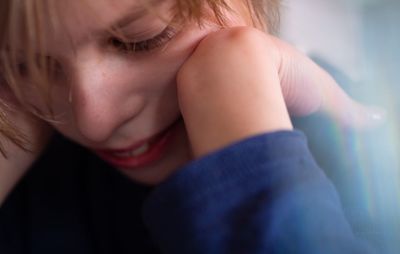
x,y
377,114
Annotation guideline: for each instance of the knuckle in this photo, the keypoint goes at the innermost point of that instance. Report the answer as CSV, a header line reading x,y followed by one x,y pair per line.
x,y
231,37
218,50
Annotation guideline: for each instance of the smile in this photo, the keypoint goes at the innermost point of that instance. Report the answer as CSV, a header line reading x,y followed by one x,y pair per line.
x,y
142,153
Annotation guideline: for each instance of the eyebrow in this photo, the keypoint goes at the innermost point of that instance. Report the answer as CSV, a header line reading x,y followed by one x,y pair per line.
x,y
134,14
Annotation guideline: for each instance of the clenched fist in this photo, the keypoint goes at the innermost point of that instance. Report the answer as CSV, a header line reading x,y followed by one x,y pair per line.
x,y
241,82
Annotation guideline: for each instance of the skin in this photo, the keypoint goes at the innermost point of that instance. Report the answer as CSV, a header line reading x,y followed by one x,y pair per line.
x,y
133,97
235,101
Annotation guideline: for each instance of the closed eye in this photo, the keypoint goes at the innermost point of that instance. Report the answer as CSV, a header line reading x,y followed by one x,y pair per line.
x,y
157,41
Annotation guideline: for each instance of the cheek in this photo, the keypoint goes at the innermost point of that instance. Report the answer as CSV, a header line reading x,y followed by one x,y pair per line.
x,y
153,77
163,68
64,120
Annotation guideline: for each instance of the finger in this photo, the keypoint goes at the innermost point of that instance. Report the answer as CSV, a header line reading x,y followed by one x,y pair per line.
x,y
308,88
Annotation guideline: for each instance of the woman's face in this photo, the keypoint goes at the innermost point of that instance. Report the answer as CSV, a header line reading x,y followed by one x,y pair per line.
x,y
121,105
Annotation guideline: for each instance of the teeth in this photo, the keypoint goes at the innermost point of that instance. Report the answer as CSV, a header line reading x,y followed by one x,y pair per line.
x,y
138,151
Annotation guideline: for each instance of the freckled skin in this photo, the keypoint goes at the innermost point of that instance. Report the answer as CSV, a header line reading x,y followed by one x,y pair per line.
x,y
226,89
118,99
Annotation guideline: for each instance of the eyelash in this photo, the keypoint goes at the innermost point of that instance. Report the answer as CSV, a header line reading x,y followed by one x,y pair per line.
x,y
143,46
120,45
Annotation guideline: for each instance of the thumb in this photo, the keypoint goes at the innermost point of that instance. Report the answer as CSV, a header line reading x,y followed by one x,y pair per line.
x,y
307,88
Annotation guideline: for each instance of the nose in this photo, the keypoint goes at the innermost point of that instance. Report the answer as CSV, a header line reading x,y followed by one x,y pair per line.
x,y
101,98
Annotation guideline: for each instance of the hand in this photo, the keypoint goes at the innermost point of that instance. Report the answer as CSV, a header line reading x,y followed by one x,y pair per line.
x,y
229,89
18,160
308,88
238,80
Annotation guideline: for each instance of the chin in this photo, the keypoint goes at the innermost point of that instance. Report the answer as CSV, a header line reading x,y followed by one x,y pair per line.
x,y
175,158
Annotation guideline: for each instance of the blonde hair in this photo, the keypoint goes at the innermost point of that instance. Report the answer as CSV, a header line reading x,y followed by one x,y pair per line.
x,y
20,21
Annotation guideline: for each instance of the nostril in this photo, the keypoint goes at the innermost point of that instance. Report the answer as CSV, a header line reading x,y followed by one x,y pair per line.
x,y
100,116
95,123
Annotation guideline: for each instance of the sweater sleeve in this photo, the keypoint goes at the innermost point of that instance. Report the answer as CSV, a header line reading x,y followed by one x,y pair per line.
x,y
264,194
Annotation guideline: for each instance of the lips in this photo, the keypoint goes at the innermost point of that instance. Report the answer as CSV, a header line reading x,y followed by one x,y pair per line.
x,y
142,153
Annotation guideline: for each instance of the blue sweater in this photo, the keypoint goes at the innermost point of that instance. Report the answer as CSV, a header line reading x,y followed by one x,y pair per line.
x,y
264,194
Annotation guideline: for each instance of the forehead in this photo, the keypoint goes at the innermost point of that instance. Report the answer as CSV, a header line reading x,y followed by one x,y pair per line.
x,y
76,11
80,17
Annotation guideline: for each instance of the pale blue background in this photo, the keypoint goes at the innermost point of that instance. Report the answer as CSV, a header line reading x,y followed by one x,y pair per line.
x,y
358,42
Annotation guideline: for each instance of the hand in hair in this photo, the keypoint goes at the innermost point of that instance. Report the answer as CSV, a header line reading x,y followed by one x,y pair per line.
x,y
241,82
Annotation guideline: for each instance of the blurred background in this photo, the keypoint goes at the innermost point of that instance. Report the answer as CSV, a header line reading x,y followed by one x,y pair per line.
x,y
358,42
